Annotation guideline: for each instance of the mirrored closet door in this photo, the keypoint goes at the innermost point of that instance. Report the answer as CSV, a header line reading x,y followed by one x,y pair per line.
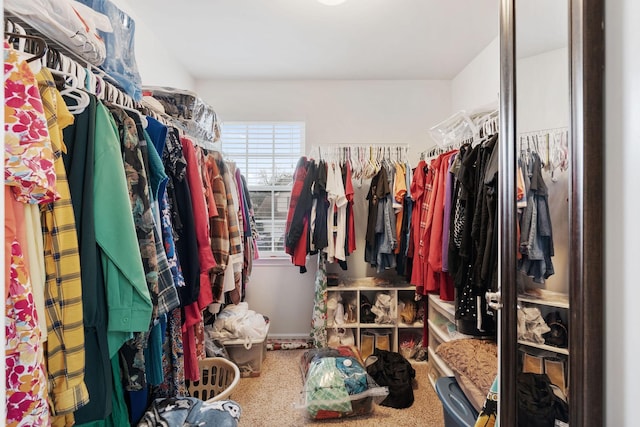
x,y
550,208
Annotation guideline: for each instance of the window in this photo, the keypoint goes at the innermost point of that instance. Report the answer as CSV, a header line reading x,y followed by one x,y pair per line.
x,y
267,154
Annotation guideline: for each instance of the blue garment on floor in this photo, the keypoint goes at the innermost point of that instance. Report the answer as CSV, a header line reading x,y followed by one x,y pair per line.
x,y
354,375
189,411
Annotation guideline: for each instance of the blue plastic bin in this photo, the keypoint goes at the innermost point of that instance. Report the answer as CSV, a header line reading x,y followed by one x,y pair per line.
x,y
458,412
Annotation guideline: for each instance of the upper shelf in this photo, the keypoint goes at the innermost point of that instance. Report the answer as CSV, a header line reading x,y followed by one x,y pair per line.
x,y
545,297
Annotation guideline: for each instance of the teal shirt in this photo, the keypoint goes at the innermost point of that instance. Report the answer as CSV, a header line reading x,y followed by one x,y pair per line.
x,y
128,300
119,416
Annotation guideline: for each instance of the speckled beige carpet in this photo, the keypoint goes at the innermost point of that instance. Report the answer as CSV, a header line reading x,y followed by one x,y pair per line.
x,y
268,400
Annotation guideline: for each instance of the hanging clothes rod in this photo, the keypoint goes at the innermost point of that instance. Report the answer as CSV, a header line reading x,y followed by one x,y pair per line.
x,y
365,159
361,151
436,150
551,144
465,126
367,144
318,148
548,130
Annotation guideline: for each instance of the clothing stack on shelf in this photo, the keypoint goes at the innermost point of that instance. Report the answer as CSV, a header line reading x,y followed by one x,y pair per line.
x,y
95,31
68,23
195,115
121,236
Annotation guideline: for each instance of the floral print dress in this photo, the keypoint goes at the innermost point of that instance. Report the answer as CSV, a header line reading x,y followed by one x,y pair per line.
x,y
31,178
319,316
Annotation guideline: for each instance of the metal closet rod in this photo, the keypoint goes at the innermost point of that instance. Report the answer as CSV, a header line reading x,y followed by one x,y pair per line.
x,y
333,149
548,130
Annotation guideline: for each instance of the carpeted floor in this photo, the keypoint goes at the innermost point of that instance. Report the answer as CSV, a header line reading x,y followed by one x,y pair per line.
x,y
268,400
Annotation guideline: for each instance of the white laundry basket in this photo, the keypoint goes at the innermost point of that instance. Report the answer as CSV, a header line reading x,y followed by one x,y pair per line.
x,y
218,378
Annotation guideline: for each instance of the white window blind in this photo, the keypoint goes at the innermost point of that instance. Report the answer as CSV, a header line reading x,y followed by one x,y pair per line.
x,y
267,154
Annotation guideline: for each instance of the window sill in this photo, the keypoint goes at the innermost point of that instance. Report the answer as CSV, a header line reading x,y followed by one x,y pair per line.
x,y
273,261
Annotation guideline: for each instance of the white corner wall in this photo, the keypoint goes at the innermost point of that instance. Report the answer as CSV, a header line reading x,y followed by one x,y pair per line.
x,y
622,175
335,112
478,84
542,95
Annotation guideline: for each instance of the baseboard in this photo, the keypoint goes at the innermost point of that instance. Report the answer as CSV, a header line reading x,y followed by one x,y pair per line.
x,y
283,337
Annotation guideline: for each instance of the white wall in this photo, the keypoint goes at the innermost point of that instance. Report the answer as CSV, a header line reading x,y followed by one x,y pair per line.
x,y
157,66
542,102
335,112
622,174
542,94
478,84
338,111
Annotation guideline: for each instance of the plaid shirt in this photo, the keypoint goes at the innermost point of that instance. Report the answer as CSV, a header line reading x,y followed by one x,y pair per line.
x,y
219,229
235,240
167,292
63,287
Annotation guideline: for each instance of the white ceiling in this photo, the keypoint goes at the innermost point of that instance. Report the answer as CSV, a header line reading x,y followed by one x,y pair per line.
x,y
359,39
303,39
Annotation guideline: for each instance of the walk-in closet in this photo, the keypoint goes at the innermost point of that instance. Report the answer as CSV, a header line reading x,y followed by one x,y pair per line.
x,y
310,212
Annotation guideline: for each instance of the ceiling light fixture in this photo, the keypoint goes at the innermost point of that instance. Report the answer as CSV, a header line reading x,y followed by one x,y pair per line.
x,y
331,2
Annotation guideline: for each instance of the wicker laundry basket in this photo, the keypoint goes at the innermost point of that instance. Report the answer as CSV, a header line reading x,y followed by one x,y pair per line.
x,y
218,378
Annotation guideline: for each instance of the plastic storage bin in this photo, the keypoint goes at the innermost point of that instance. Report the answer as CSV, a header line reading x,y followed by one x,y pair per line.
x,y
248,355
457,410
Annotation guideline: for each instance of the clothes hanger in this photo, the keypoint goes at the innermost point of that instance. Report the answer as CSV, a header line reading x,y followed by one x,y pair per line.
x,y
58,66
73,91
117,98
100,86
361,162
37,44
77,87
52,60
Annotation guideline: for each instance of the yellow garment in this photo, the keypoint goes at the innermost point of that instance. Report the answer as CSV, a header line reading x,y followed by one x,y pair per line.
x,y
37,272
63,289
399,191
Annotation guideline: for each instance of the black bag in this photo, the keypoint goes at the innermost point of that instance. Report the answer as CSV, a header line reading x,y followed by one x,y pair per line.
x,y
395,372
558,336
538,406
366,315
